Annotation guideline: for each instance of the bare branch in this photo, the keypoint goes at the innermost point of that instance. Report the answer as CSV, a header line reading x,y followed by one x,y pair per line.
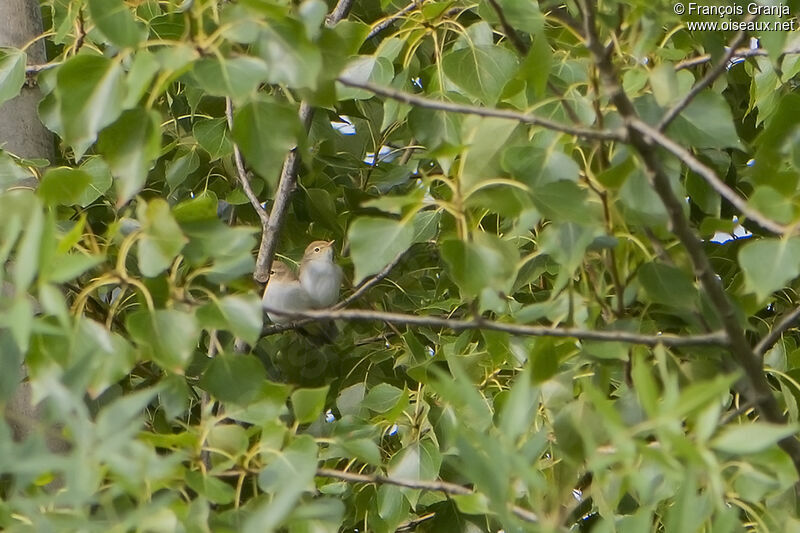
x,y
509,30
708,174
773,336
713,73
339,12
240,170
385,23
525,118
288,178
437,486
368,283
286,186
757,388
454,324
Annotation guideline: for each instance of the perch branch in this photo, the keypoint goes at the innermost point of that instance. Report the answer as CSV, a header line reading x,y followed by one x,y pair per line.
x,y
361,315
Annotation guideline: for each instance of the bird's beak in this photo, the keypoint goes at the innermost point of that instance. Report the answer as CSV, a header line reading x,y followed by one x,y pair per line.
x,y
330,243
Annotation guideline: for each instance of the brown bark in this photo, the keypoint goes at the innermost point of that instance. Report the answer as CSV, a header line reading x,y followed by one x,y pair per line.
x,y
21,131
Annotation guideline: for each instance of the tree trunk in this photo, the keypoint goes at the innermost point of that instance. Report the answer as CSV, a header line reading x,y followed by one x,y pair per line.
x,y
21,131
23,134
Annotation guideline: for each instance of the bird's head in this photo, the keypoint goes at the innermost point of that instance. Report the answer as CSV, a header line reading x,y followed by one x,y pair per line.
x,y
319,251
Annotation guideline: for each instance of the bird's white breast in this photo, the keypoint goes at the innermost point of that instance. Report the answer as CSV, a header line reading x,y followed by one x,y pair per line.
x,y
285,297
322,280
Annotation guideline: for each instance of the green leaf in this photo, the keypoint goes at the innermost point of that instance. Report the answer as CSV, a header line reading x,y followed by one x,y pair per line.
x,y
90,90
481,71
234,378
130,146
752,437
666,284
66,267
115,20
365,69
419,461
664,82
288,475
566,201
237,77
486,137
179,168
537,166
265,131
291,59
201,207
215,490
162,239
63,186
374,243
169,335
101,180
769,263
706,123
487,261
382,398
212,135
12,72
308,403
240,314
566,243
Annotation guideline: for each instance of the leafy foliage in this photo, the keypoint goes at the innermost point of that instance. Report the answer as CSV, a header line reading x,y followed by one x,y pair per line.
x,y
127,273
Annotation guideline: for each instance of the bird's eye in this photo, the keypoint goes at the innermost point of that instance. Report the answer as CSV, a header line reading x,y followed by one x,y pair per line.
x,y
271,272
316,249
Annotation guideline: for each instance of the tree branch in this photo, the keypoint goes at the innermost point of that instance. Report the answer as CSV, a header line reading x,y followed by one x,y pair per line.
x,y
708,174
453,324
713,73
240,170
385,23
741,52
773,336
509,30
757,388
368,283
525,118
436,486
288,178
339,12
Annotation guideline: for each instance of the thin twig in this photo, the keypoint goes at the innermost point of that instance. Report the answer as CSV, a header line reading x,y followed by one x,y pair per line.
x,y
525,118
454,324
509,30
240,170
712,74
741,52
757,388
368,283
708,174
773,336
437,486
385,23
